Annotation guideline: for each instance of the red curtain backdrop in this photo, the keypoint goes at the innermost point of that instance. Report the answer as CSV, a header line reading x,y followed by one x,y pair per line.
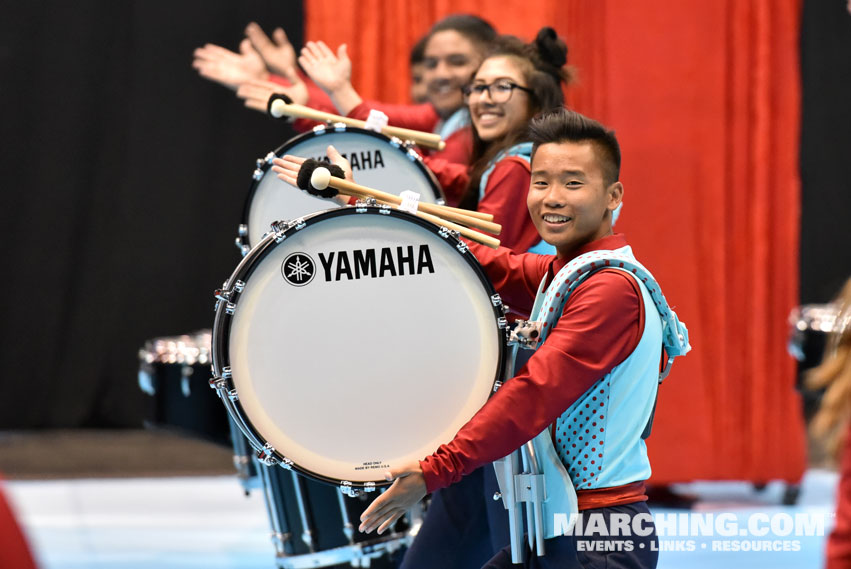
x,y
704,97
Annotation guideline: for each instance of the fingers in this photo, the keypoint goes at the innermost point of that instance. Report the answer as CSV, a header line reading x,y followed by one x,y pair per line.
x,y
257,36
280,37
377,513
310,52
245,47
390,521
213,52
324,50
381,519
336,158
299,160
255,96
342,53
286,170
257,105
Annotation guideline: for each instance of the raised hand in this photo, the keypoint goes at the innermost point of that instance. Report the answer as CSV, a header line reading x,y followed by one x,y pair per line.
x,y
408,488
227,68
328,70
278,53
256,93
287,169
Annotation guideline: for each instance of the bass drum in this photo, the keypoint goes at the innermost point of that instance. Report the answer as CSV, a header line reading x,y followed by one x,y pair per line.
x,y
356,341
377,162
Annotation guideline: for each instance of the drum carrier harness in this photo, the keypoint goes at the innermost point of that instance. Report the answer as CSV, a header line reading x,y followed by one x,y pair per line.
x,y
521,474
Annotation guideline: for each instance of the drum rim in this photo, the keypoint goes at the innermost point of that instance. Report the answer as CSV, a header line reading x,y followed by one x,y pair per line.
x,y
264,165
222,324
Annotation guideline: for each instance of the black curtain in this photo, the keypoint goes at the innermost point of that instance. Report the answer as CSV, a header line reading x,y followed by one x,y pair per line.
x,y
123,176
825,149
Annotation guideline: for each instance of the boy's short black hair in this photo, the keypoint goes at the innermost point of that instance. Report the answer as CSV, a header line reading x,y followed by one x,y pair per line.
x,y
418,51
564,125
476,29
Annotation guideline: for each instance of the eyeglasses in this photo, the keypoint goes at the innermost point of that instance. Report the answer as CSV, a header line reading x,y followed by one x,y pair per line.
x,y
498,91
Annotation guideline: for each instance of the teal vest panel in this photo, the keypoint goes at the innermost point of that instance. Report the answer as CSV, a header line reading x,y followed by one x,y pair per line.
x,y
598,440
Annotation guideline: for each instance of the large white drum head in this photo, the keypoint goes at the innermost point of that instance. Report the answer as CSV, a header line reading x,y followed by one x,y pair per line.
x,y
348,369
375,163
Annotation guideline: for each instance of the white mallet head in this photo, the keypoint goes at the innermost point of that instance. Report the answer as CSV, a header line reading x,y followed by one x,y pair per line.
x,y
320,178
278,108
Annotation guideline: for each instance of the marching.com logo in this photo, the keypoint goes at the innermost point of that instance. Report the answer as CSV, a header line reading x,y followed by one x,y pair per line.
x,y
725,531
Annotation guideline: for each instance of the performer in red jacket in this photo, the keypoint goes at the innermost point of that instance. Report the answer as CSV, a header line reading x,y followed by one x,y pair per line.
x,y
576,382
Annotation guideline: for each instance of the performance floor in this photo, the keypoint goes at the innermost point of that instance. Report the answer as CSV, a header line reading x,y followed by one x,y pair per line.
x,y
207,522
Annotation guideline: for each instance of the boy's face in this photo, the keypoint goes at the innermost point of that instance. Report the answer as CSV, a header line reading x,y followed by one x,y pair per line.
x,y
568,198
450,59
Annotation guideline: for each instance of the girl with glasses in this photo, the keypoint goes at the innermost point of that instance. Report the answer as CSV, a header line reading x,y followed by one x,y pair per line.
x,y
515,82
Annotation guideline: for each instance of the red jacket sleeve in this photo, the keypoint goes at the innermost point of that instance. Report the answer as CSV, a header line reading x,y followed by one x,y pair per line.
x,y
453,177
458,149
516,276
417,117
505,198
600,326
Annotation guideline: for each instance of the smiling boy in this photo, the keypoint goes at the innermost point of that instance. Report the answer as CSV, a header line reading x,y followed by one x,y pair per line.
x,y
592,383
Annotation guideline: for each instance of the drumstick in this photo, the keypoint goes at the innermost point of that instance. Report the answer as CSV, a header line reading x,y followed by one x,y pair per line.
x,y
322,178
451,214
278,108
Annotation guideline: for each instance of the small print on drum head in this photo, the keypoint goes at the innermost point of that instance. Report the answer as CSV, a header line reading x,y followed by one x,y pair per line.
x,y
298,269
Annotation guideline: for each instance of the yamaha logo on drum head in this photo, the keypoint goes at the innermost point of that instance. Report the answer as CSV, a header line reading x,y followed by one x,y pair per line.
x,y
298,269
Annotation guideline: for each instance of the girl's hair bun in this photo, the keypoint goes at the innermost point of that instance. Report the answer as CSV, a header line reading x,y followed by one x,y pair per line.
x,y
551,49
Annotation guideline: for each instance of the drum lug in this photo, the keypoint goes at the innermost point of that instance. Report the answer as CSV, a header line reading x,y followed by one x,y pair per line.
x,y
346,488
320,129
339,126
362,205
502,322
242,230
395,141
496,300
269,157
412,155
369,487
384,209
446,233
217,383
227,372
462,247
258,174
225,295
266,455
243,247
286,463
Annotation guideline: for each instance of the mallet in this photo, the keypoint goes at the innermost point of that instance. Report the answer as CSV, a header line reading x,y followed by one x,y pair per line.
x,y
321,179
279,106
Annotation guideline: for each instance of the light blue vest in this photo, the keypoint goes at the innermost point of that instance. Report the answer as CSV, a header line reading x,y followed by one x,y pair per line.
x,y
598,440
456,121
